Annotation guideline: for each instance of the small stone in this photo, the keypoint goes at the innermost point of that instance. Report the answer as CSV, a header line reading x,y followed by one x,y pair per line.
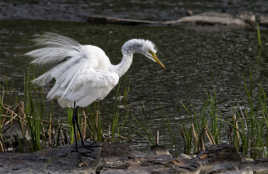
x,y
189,12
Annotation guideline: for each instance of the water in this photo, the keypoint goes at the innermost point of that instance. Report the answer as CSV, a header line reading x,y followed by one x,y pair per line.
x,y
171,9
79,10
199,60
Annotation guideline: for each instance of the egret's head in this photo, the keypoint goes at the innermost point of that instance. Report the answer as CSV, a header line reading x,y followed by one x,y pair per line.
x,y
144,47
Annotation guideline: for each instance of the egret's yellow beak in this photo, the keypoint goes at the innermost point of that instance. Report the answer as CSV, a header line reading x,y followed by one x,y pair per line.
x,y
154,56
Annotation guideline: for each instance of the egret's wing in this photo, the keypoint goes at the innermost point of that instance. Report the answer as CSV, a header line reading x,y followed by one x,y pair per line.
x,y
79,77
56,48
84,87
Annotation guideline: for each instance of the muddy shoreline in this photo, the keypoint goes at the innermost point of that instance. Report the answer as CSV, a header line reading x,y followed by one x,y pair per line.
x,y
118,158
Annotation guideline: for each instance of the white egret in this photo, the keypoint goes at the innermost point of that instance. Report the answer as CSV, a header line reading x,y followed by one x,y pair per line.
x,y
83,73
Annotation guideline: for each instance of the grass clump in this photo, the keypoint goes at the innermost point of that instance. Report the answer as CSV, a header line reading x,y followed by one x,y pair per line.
x,y
205,127
246,129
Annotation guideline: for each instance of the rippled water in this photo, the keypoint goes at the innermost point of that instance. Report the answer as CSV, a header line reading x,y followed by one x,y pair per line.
x,y
172,9
199,60
79,10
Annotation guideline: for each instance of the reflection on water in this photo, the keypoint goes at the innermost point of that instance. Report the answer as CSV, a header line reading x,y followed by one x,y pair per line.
x,y
198,60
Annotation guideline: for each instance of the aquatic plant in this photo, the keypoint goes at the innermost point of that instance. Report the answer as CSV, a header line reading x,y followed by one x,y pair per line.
x,y
34,112
259,35
247,129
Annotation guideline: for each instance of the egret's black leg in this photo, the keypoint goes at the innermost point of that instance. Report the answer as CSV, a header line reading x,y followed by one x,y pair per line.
x,y
75,124
73,121
78,127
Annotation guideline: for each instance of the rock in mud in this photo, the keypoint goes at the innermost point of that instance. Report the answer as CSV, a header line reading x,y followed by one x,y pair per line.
x,y
211,18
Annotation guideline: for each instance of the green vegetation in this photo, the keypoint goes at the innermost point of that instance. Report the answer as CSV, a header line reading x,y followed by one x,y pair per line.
x,y
247,129
259,36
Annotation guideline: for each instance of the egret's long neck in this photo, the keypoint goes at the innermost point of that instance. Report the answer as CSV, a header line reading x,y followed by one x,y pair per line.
x,y
129,48
124,65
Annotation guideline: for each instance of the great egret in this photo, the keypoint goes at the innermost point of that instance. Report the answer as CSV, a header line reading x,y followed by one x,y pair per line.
x,y
83,73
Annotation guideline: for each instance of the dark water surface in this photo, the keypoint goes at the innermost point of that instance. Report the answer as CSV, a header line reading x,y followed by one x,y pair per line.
x,y
172,9
79,10
199,60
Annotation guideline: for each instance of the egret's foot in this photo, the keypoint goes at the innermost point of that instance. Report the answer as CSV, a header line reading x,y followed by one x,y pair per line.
x,y
88,155
87,148
90,144
74,149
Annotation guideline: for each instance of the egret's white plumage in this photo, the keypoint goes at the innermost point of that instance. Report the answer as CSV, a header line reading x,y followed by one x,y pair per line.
x,y
83,73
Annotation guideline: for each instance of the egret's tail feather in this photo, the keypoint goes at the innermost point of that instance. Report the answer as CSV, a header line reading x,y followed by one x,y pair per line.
x,y
53,92
43,79
65,103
